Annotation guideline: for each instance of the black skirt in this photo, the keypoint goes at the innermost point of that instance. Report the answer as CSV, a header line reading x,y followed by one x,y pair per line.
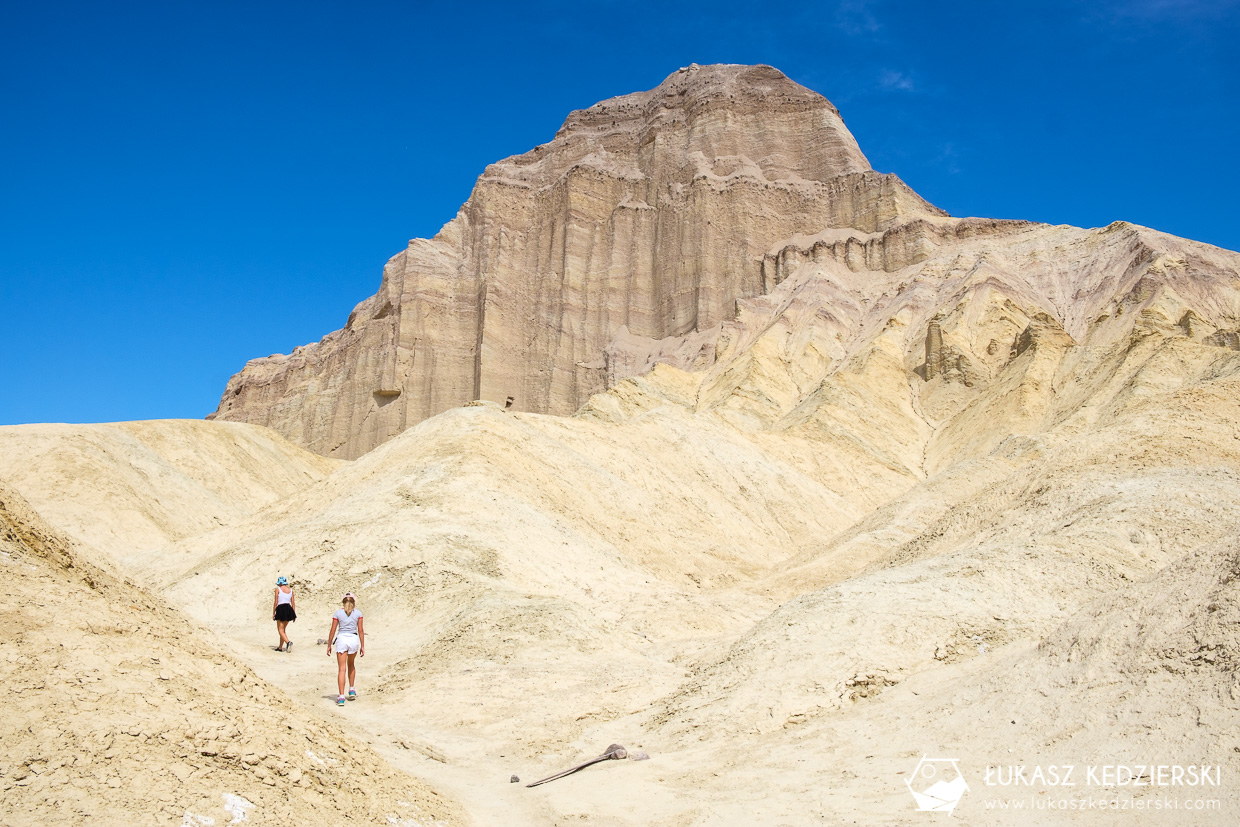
x,y
285,612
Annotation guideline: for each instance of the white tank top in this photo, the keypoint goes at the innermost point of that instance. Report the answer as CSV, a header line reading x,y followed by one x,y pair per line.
x,y
283,597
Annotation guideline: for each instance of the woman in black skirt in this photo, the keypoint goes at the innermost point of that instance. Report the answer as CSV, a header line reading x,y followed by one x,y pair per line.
x,y
283,612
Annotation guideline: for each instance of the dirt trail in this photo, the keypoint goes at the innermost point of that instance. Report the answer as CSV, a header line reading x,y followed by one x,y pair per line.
x,y
121,712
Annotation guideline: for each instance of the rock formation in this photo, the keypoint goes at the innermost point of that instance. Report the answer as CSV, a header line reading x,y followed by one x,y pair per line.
x,y
624,241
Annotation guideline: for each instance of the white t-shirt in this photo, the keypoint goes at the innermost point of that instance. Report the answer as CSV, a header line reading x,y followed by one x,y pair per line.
x,y
347,623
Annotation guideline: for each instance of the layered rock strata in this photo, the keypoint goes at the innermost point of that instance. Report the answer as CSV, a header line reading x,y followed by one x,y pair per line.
x,y
623,242
726,223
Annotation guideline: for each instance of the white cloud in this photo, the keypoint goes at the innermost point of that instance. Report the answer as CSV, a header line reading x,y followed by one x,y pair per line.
x,y
894,81
855,17
1175,11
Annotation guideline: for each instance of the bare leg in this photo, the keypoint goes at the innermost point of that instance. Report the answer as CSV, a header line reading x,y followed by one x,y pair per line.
x,y
281,627
352,672
341,662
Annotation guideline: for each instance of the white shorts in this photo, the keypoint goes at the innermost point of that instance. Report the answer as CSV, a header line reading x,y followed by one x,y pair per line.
x,y
348,644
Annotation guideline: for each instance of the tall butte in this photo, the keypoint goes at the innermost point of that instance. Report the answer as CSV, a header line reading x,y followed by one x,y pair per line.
x,y
623,242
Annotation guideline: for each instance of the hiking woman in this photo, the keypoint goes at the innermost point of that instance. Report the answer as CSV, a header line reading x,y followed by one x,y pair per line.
x,y
349,639
283,612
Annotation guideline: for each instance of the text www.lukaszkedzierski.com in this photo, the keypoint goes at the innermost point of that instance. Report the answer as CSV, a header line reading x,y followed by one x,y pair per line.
x,y
1085,804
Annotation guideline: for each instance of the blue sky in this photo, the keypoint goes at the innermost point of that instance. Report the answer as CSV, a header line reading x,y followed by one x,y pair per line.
x,y
190,185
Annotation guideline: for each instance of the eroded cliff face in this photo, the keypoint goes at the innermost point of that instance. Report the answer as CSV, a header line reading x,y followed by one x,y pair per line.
x,y
624,242
726,223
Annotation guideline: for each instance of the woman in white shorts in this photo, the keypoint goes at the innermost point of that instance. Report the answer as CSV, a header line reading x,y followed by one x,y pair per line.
x,y
348,638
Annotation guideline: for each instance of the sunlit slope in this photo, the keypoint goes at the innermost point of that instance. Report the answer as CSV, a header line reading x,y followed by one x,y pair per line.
x,y
126,487
568,550
1142,676
1058,524
119,711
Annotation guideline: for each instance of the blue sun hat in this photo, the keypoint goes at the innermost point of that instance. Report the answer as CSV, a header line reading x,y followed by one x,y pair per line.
x,y
281,581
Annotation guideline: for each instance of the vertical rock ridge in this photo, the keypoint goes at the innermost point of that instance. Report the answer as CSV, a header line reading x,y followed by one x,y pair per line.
x,y
649,213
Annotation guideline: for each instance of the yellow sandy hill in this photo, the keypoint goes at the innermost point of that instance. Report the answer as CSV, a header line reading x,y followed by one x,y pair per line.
x,y
118,711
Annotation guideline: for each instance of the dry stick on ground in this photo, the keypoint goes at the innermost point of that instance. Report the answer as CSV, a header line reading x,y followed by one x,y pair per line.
x,y
614,753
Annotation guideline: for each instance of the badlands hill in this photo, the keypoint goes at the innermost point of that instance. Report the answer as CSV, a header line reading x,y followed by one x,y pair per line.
x,y
120,713
628,238
205,475
916,485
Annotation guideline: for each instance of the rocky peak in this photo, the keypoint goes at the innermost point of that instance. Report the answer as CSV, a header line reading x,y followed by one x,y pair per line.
x,y
624,242
722,121
693,90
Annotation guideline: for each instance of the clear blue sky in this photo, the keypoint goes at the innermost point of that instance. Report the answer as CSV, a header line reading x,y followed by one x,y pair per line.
x,y
187,185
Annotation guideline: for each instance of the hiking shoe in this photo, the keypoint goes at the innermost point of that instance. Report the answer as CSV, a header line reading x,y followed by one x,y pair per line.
x,y
352,695
340,700
288,647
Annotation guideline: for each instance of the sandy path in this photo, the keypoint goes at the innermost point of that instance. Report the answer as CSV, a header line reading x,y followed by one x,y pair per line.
x,y
465,767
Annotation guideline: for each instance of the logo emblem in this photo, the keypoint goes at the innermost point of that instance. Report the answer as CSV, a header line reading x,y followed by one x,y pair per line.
x,y
937,784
